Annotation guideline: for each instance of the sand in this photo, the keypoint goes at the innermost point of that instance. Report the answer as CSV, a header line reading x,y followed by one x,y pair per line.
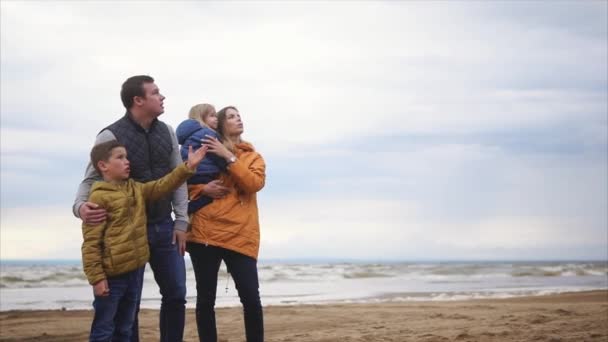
x,y
577,317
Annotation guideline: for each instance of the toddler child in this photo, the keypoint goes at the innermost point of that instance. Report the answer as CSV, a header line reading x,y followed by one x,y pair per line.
x,y
202,123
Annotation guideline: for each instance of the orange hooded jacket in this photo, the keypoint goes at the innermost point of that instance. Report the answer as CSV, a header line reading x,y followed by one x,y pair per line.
x,y
232,222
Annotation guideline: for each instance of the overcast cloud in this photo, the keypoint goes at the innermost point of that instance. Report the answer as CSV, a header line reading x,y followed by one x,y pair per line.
x,y
391,130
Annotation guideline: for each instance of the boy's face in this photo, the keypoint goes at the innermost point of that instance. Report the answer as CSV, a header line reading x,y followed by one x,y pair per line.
x,y
117,167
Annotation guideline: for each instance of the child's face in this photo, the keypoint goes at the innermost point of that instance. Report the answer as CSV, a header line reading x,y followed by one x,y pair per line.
x,y
117,167
211,120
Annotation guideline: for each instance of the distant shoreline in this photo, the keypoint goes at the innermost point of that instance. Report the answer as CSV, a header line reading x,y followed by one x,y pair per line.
x,y
332,260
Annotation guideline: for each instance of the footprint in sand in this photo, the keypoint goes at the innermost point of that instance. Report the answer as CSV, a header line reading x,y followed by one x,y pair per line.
x,y
563,312
463,336
539,319
431,338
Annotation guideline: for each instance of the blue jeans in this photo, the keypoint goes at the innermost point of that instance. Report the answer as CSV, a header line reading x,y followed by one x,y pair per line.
x,y
206,263
170,274
115,313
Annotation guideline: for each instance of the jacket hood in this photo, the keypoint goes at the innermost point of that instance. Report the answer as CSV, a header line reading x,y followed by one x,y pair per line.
x,y
186,129
245,146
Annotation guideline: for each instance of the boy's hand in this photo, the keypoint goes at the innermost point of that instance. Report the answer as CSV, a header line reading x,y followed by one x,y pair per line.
x,y
101,289
194,158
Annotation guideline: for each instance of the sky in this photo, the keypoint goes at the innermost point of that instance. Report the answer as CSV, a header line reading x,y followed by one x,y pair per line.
x,y
391,130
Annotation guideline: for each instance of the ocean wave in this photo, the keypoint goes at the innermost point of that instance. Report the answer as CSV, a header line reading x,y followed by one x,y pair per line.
x,y
367,274
437,273
564,270
18,282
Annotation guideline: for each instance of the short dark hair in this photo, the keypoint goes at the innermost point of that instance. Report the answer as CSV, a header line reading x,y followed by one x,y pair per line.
x,y
133,86
103,152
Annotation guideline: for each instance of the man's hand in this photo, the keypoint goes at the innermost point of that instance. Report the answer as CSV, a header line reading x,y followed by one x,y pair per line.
x,y
180,238
91,213
101,289
215,189
194,158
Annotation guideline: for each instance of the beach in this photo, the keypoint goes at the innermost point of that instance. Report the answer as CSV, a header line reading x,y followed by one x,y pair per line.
x,y
575,316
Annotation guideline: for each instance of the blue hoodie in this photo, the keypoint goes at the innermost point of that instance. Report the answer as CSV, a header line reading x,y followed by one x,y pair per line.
x,y
190,132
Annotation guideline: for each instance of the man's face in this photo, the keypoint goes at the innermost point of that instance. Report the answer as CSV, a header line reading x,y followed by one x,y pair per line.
x,y
152,102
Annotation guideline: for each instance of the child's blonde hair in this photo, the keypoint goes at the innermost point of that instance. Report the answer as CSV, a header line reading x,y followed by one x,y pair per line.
x,y
200,112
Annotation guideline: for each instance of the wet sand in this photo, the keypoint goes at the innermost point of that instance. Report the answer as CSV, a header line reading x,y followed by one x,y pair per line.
x,y
581,316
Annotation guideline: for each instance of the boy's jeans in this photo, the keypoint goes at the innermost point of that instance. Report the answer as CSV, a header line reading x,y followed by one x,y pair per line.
x,y
170,275
115,313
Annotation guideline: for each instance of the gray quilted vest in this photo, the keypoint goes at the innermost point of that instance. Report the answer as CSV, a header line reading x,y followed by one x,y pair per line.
x,y
149,153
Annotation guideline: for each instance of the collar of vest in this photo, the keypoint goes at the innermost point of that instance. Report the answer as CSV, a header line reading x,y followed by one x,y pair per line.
x,y
129,117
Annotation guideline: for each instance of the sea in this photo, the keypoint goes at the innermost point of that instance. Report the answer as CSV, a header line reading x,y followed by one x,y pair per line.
x,y
61,284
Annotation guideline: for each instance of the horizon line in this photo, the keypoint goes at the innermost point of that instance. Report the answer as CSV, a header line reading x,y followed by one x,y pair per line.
x,y
355,260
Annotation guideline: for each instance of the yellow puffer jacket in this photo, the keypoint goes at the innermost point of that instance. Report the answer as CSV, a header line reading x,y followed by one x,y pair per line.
x,y
120,244
232,222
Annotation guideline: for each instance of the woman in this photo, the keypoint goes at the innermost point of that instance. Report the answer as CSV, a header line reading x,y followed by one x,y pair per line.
x,y
228,229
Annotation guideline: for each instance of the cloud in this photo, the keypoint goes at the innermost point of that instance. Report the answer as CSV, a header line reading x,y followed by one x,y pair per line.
x,y
371,116
365,229
404,73
39,233
458,200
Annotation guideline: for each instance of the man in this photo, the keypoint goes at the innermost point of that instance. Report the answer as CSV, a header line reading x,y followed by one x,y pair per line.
x,y
153,152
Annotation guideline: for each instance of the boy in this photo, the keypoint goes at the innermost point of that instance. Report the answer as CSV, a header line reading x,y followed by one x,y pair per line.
x,y
115,252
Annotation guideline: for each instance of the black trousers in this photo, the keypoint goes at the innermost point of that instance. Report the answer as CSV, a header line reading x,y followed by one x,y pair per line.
x,y
206,262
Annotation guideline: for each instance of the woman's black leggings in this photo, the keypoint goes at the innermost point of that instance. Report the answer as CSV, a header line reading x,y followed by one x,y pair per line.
x,y
206,262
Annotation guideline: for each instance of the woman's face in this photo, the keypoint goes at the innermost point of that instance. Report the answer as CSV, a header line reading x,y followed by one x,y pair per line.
x,y
233,125
211,120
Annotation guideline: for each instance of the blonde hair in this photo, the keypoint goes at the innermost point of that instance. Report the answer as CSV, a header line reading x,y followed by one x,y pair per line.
x,y
200,112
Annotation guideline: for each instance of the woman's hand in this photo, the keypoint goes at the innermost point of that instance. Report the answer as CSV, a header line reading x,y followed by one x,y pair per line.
x,y
215,146
213,189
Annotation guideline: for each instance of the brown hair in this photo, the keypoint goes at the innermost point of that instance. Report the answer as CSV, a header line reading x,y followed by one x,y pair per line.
x,y
102,152
221,121
133,86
